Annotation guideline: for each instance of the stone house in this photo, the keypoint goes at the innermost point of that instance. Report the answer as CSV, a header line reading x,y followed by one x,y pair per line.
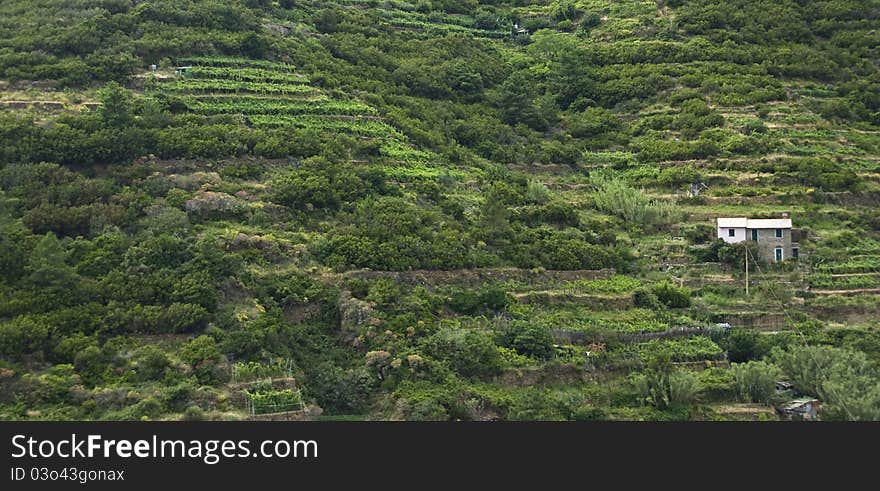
x,y
774,236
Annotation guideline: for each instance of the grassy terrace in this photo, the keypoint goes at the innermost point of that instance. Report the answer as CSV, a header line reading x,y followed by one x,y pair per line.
x,y
274,95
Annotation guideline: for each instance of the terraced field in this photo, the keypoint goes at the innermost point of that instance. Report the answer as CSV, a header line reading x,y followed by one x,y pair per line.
x,y
275,95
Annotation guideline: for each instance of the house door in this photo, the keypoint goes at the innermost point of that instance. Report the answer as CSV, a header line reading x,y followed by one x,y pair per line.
x,y
778,254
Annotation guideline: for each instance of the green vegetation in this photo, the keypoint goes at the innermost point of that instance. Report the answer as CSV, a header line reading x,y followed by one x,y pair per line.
x,y
434,210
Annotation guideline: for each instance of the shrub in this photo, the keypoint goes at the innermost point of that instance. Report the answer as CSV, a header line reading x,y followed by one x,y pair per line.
x,y
614,196
151,363
646,299
719,384
202,355
742,346
467,352
491,299
528,339
338,390
753,126
672,296
663,388
755,380
699,233
90,363
52,387
193,413
23,335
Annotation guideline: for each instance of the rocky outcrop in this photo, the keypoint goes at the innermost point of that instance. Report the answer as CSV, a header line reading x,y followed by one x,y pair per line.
x,y
355,315
208,202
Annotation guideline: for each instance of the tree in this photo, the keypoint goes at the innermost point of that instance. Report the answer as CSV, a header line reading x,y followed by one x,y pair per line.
x,y
48,266
519,102
14,240
116,105
495,219
254,45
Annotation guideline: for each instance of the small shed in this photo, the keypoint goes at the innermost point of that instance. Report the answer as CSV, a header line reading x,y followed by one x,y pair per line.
x,y
800,410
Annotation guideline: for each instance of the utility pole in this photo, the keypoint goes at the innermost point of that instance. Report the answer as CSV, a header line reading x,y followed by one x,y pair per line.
x,y
746,247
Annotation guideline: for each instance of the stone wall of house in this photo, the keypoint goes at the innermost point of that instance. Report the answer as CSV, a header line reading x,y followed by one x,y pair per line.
x,y
768,242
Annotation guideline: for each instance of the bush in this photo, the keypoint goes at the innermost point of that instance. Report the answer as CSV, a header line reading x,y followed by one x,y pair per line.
x,y
52,387
753,126
593,122
719,384
468,352
672,296
91,364
528,339
491,299
614,196
755,380
202,355
700,233
666,388
193,413
338,390
23,335
742,346
646,299
151,363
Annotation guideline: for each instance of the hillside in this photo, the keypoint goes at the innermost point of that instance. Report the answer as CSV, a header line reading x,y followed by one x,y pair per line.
x,y
467,210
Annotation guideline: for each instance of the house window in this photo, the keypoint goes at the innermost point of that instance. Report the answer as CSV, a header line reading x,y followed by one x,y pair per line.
x,y
754,234
731,232
778,233
795,252
778,254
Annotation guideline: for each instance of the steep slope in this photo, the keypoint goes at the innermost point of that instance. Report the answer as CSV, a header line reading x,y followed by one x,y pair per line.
x,y
441,210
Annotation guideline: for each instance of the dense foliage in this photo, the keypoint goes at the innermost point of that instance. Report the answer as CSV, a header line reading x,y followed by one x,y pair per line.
x,y
433,210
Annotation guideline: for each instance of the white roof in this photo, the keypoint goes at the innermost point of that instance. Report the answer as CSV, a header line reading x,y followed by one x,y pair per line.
x,y
754,223
770,223
732,222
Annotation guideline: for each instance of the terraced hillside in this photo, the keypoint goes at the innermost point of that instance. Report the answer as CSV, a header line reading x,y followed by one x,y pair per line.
x,y
274,95
435,210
